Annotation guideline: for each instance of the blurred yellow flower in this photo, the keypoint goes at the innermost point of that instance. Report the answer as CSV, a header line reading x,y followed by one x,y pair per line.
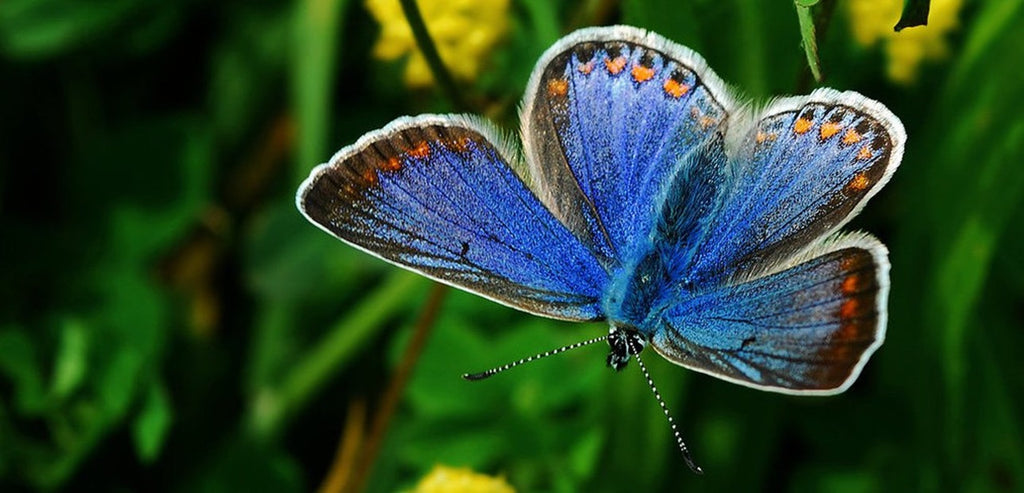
x,y
464,31
443,479
872,21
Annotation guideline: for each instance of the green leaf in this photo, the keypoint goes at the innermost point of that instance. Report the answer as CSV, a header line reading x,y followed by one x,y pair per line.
x,y
242,464
152,423
967,187
316,46
71,364
247,64
274,404
33,28
807,34
18,363
678,21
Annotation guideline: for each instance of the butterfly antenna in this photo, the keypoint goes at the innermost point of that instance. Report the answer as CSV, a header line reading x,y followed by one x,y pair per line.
x,y
679,438
495,371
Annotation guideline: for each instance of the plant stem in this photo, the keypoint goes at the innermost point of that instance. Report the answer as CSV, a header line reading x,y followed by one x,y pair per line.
x,y
429,49
273,406
396,388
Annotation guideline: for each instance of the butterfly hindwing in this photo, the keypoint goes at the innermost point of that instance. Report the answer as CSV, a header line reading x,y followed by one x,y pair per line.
x,y
806,329
609,116
805,168
435,194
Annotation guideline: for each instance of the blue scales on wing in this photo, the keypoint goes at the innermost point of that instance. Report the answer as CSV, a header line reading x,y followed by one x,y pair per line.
x,y
807,329
805,168
610,116
757,291
436,195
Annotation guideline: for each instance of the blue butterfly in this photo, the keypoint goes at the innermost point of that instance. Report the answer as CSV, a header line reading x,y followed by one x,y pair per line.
x,y
647,196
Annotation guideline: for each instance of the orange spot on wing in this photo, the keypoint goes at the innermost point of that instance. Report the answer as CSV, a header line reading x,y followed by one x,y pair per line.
x,y
848,330
802,125
706,121
849,308
421,150
850,284
642,73
763,137
558,87
851,137
829,129
865,153
370,175
859,182
586,68
675,89
392,164
615,66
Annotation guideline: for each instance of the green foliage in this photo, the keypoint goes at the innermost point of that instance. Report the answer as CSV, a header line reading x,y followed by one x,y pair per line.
x,y
169,321
809,35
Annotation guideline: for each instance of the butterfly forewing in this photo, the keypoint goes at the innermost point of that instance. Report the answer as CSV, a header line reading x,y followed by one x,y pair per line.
x,y
610,114
805,168
436,195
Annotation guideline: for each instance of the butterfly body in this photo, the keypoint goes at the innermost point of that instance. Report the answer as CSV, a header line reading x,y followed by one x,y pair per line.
x,y
648,198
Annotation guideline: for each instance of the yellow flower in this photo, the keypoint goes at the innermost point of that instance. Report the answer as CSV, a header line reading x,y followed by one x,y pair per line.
x,y
872,21
464,31
443,479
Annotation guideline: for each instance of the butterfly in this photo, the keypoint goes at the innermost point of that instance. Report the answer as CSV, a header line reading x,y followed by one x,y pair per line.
x,y
645,194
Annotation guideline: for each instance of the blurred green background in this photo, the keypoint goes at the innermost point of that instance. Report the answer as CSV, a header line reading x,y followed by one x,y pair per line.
x,y
168,321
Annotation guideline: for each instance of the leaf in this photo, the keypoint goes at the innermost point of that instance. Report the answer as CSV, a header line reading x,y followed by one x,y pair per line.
x,y
678,21
915,13
274,404
150,427
967,187
242,464
33,28
316,24
246,66
807,34
18,363
71,364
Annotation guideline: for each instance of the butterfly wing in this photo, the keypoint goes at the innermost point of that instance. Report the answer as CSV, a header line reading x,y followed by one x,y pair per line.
x,y
609,115
805,168
756,295
808,329
436,195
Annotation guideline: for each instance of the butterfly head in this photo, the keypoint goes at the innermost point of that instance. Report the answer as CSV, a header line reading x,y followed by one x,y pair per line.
x,y
625,341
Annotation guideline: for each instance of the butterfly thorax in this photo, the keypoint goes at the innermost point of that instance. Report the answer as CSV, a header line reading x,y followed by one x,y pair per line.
x,y
639,293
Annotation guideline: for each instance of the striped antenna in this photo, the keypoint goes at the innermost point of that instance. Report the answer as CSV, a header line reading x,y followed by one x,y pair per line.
x,y
679,438
495,371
